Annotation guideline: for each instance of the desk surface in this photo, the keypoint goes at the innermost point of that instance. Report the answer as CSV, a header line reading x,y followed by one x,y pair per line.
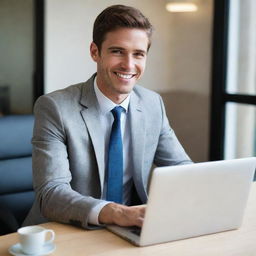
x,y
75,241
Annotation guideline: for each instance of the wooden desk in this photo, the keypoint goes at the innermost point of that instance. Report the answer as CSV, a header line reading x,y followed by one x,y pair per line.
x,y
72,241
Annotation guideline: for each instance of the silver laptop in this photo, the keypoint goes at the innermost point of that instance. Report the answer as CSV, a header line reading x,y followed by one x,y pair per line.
x,y
193,200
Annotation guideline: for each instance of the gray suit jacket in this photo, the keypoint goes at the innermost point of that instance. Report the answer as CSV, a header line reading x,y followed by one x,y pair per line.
x,y
68,151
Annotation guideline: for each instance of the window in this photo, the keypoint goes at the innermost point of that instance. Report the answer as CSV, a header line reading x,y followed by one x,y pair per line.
x,y
233,117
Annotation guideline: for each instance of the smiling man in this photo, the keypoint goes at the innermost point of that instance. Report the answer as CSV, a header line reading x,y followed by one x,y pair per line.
x,y
94,143
121,61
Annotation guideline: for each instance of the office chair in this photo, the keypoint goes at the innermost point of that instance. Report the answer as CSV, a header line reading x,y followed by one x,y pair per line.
x,y
16,189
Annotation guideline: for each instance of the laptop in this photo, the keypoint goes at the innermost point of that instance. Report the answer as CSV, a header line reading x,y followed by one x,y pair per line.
x,y
193,200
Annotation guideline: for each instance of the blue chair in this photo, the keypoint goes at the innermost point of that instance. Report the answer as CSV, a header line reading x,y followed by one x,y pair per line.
x,y
16,189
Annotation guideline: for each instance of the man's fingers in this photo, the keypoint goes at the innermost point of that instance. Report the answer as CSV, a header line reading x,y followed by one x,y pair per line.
x,y
137,215
122,215
139,222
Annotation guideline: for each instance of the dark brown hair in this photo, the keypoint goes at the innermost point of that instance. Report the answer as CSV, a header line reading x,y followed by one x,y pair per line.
x,y
119,16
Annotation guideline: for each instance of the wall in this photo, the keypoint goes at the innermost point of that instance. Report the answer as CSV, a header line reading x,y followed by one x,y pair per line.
x,y
178,63
16,51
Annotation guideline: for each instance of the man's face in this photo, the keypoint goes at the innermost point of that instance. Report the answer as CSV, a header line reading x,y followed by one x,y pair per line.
x,y
121,62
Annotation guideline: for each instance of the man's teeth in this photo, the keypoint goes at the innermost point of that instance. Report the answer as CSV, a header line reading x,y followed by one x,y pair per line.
x,y
124,76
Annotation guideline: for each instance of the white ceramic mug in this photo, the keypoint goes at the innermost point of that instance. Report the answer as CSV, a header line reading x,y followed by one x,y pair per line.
x,y
33,239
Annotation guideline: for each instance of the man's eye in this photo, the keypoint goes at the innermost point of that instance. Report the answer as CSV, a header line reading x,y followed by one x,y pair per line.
x,y
116,51
139,54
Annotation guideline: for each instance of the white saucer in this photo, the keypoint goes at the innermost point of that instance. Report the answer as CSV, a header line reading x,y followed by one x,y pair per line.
x,y
16,250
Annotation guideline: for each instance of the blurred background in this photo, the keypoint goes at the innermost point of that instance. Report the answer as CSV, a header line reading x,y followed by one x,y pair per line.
x,y
202,62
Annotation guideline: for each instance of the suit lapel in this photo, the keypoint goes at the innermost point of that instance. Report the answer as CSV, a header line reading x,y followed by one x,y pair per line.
x,y
90,114
138,143
91,118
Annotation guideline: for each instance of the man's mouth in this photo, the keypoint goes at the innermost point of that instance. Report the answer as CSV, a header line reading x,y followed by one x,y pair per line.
x,y
125,76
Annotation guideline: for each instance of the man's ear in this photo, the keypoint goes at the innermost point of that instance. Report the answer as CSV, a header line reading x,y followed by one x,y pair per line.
x,y
94,51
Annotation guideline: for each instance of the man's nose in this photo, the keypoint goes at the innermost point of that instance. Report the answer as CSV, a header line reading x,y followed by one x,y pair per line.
x,y
128,62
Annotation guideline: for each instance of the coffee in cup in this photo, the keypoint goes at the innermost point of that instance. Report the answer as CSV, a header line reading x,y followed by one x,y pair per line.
x,y
33,239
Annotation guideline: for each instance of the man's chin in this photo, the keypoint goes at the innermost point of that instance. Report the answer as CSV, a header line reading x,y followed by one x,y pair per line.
x,y
125,91
125,88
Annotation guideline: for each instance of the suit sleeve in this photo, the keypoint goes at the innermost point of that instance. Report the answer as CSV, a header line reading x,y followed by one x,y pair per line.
x,y
169,150
51,170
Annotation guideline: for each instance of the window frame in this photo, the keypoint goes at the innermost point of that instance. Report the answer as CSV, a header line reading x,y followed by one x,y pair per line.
x,y
219,95
39,12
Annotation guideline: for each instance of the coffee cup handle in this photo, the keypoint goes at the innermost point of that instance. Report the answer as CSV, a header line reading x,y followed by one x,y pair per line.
x,y
52,235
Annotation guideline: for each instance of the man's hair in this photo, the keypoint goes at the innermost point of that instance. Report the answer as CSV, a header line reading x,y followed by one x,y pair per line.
x,y
119,16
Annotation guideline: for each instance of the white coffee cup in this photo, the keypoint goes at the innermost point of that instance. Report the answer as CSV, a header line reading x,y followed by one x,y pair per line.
x,y
33,239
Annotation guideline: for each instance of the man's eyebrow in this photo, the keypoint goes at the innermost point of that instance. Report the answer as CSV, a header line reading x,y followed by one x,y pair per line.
x,y
141,51
121,48
115,48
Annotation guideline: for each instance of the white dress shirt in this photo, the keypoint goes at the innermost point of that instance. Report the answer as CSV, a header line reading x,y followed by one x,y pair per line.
x,y
106,120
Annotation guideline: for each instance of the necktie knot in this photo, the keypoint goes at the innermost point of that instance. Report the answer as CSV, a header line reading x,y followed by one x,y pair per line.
x,y
116,111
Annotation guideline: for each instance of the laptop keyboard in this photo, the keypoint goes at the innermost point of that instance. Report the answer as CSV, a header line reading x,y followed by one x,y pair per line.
x,y
136,230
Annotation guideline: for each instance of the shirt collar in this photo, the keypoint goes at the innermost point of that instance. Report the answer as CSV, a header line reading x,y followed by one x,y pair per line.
x,y
106,105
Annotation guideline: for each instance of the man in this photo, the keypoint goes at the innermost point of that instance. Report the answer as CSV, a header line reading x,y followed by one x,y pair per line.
x,y
77,161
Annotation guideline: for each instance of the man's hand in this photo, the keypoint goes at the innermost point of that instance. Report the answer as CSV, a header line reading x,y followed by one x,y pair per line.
x,y
122,215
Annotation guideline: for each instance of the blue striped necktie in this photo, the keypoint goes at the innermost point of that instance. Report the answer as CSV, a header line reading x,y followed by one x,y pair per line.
x,y
115,160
